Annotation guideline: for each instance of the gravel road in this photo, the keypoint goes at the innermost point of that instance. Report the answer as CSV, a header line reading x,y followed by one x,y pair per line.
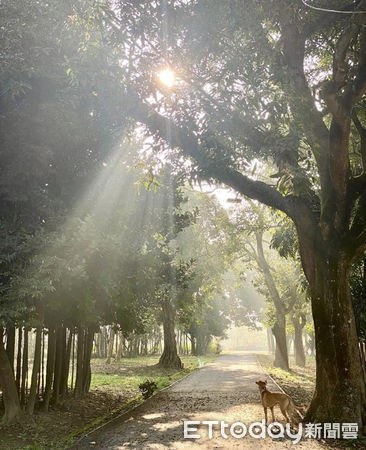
x,y
221,391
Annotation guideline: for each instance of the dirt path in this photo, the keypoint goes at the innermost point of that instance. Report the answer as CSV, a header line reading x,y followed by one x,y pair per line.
x,y
223,391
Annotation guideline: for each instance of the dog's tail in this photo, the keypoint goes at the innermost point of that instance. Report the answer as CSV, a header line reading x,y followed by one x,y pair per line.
x,y
301,410
298,409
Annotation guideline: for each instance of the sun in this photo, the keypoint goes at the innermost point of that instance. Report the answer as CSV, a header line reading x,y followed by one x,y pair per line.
x,y
167,77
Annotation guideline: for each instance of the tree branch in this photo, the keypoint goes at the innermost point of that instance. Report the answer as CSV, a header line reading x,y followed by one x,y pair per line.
x,y
302,320
264,267
355,240
356,187
190,145
337,105
302,101
362,132
291,304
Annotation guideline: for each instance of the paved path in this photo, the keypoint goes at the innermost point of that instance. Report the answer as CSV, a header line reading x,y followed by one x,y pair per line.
x,y
223,391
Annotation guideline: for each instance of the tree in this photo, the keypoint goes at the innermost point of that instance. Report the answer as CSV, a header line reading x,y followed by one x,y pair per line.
x,y
280,287
276,278
298,319
257,82
51,131
173,272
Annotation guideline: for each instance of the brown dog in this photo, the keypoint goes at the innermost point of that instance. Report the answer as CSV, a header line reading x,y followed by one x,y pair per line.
x,y
270,399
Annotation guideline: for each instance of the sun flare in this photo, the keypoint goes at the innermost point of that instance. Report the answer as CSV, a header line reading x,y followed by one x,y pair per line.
x,y
167,77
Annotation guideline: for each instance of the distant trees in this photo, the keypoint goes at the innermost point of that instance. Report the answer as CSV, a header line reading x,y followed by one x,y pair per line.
x,y
278,279
212,320
208,242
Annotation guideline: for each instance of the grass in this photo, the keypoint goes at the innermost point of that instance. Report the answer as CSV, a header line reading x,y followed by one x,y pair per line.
x,y
296,373
130,372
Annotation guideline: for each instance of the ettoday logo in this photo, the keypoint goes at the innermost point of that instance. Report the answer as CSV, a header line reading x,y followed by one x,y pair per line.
x,y
275,430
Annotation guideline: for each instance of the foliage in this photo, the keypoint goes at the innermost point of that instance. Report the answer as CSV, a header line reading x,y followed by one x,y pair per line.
x,y
147,388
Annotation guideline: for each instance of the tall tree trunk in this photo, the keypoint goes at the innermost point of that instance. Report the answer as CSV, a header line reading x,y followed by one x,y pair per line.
x,y
42,364
50,367
72,359
117,344
169,357
156,344
299,324
201,345
97,344
120,347
179,342
110,346
288,343
66,366
193,345
279,331
310,343
279,328
35,371
270,343
19,360
79,362
145,344
88,347
105,342
340,385
7,383
10,345
60,350
23,389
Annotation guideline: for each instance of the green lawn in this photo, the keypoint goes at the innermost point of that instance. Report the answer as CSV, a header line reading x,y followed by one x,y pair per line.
x,y
130,372
297,373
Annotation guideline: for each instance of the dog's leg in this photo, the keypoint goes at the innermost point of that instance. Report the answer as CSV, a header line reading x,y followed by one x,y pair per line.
x,y
273,417
285,415
265,414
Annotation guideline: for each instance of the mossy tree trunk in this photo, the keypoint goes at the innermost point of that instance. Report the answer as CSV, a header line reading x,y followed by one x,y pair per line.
x,y
340,383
